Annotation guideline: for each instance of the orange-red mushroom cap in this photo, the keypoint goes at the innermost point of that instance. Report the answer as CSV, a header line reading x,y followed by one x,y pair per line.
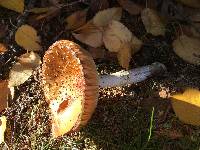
x,y
70,83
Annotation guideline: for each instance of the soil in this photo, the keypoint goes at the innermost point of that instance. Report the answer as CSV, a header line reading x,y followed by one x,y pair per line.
x,y
123,116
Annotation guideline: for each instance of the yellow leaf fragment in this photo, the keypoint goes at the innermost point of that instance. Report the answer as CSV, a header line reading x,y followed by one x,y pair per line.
x,y
2,48
102,18
89,34
26,37
23,69
152,22
76,20
191,3
38,10
4,91
187,106
124,56
16,5
2,128
188,48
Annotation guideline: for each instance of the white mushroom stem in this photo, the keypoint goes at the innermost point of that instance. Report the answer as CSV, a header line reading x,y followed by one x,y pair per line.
x,y
122,78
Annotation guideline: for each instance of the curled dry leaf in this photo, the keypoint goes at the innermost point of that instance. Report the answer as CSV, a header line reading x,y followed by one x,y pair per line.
x,y
188,48
130,6
23,69
3,94
191,3
26,37
102,18
52,12
2,48
2,128
89,34
76,20
117,38
152,22
116,35
16,5
124,56
187,106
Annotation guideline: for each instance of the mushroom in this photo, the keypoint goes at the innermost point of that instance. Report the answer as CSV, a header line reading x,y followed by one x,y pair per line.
x,y
70,83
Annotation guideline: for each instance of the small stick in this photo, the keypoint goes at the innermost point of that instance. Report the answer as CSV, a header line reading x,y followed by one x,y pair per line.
x,y
122,78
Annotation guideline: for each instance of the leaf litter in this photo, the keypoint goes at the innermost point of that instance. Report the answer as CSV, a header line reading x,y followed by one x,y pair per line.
x,y
92,34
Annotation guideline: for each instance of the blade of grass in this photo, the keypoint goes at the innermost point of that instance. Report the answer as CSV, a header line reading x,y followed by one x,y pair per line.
x,y
151,124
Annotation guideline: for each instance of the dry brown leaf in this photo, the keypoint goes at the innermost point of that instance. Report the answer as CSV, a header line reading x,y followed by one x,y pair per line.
x,y
188,48
3,94
38,10
3,29
2,128
118,38
187,106
23,69
52,12
191,3
89,34
76,20
115,35
172,134
191,30
16,5
2,48
97,52
26,37
97,5
130,6
102,18
124,55
152,22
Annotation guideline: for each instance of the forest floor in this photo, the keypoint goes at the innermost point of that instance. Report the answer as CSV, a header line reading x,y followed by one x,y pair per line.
x,y
130,117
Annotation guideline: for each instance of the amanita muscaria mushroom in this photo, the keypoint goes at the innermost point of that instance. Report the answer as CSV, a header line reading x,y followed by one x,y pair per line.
x,y
70,82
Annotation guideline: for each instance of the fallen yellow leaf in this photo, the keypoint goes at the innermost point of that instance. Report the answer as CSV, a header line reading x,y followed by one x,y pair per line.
x,y
16,5
102,18
89,34
76,20
2,128
118,38
3,94
152,22
115,35
124,56
26,37
188,48
2,48
23,69
187,106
